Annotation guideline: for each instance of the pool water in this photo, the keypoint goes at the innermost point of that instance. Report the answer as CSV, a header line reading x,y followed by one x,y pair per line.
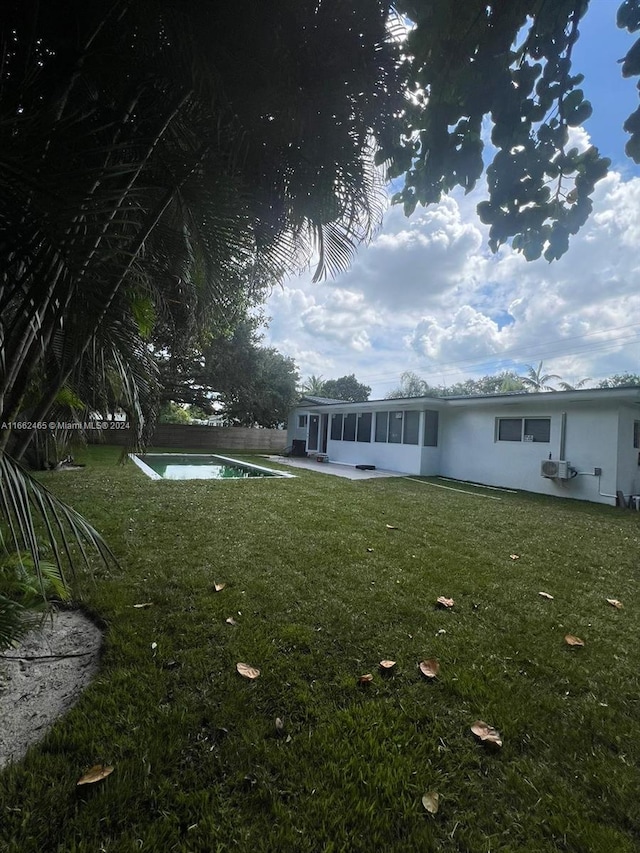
x,y
194,466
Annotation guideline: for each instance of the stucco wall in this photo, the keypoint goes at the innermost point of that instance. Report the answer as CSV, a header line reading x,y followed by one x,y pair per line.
x,y
597,435
628,455
470,450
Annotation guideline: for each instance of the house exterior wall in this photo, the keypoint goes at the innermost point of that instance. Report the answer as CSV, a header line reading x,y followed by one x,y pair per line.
x,y
294,431
595,427
389,457
628,456
471,451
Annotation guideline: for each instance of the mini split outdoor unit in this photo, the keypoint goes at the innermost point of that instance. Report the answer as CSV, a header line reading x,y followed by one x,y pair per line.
x,y
555,469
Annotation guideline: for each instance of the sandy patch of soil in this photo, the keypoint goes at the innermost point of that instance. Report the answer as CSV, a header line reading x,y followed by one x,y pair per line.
x,y
43,678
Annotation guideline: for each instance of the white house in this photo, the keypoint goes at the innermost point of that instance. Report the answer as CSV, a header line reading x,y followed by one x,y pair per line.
x,y
581,444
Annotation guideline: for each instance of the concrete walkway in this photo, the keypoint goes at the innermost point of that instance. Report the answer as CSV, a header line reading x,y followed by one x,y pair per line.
x,y
338,469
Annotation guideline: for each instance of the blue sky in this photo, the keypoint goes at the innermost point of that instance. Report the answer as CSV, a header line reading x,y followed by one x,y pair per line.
x,y
427,295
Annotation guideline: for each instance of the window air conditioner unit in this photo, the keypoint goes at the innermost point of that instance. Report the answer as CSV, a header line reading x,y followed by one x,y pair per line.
x,y
555,469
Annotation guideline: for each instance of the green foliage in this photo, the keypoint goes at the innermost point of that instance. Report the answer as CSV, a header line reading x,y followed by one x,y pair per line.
x,y
264,395
620,379
412,385
24,590
511,62
175,185
314,386
172,413
346,388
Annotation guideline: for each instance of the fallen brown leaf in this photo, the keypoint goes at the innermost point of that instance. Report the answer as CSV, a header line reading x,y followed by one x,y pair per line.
x,y
230,620
431,801
615,603
445,602
95,774
391,527
247,671
429,668
219,586
279,725
546,595
570,640
365,679
515,556
486,733
387,665
370,550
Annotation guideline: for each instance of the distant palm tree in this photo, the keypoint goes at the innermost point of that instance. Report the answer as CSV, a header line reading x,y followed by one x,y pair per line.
x,y
536,380
314,386
567,386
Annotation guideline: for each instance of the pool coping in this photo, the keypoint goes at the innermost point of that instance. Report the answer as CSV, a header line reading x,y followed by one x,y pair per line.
x,y
153,475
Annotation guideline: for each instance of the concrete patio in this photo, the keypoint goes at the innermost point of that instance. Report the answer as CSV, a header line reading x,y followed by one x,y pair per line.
x,y
338,469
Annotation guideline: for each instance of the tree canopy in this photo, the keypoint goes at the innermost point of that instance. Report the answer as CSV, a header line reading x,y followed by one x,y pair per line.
x,y
346,388
509,61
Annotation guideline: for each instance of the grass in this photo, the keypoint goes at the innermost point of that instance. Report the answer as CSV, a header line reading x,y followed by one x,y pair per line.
x,y
199,766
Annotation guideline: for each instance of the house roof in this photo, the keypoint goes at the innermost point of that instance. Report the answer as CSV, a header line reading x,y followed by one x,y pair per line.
x,y
318,401
620,394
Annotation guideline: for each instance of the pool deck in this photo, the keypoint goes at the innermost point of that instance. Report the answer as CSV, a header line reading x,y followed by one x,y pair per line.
x,y
338,469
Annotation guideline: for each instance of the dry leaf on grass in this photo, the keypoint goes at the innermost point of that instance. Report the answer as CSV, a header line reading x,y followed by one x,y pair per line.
x,y
279,725
219,586
247,671
387,665
370,550
365,679
486,733
570,640
140,606
615,603
429,668
95,774
546,595
392,527
445,602
431,801
515,556
230,620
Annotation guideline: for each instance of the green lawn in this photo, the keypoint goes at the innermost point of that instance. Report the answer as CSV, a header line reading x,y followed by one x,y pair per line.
x,y
321,591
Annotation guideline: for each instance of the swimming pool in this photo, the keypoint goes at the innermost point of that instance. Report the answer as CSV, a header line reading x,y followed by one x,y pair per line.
x,y
199,466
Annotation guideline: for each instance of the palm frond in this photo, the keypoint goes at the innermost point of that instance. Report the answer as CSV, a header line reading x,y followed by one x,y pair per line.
x,y
34,515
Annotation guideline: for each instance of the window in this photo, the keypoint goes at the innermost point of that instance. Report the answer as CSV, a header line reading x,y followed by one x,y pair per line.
x,y
395,427
382,425
430,429
537,429
363,431
411,428
510,429
399,427
336,427
302,421
524,429
349,428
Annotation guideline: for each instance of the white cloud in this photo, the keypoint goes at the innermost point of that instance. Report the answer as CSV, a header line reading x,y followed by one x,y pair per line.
x,y
414,262
428,296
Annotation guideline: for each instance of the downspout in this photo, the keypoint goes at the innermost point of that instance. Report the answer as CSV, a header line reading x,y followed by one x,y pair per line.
x,y
563,436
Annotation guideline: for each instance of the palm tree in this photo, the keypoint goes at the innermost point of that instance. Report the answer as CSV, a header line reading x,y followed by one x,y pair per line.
x,y
314,386
567,386
536,380
178,182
